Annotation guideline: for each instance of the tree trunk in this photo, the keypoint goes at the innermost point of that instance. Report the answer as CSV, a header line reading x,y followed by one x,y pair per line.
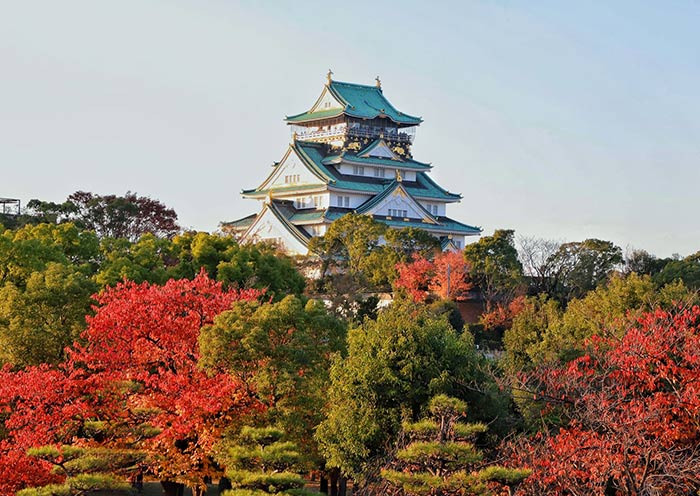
x,y
334,482
224,484
323,485
342,486
199,490
172,488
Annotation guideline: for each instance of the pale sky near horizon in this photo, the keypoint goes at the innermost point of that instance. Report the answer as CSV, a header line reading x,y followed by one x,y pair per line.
x,y
563,120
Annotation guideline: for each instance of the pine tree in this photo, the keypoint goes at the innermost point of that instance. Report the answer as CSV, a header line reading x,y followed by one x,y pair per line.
x,y
439,458
260,462
86,470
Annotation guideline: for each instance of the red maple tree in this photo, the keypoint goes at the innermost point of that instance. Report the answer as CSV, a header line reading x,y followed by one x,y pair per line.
x,y
40,405
632,411
445,276
137,374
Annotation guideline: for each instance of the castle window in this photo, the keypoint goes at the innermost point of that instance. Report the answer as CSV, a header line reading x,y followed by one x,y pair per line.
x,y
291,179
343,201
395,212
379,172
317,201
433,209
358,170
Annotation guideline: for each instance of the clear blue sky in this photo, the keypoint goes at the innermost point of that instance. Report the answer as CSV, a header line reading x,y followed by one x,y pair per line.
x,y
563,120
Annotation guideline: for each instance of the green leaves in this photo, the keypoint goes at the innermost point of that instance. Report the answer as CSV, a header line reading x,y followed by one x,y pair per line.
x,y
80,484
47,315
393,367
259,461
281,351
438,457
494,265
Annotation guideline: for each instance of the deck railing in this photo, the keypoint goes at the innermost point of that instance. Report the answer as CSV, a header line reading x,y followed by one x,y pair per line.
x,y
357,131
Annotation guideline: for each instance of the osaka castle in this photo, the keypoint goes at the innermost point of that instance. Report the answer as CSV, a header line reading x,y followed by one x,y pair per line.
x,y
350,152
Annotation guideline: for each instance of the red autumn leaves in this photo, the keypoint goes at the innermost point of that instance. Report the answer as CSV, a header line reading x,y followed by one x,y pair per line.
x,y
136,371
630,408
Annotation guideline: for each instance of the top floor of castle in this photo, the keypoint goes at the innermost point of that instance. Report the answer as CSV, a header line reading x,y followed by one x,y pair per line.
x,y
346,112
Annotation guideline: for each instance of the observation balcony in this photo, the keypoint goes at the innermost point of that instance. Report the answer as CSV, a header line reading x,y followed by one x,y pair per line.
x,y
354,130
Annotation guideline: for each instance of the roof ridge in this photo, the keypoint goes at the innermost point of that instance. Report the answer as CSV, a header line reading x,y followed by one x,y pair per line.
x,y
347,83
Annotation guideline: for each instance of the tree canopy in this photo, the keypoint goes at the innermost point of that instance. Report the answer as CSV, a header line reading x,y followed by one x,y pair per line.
x,y
111,216
393,367
494,266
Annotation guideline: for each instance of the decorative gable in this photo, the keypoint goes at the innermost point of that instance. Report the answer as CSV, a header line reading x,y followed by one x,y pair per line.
x,y
379,149
269,226
326,102
291,170
396,202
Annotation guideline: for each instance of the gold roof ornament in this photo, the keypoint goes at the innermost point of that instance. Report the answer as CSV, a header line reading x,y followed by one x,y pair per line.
x,y
268,200
378,82
398,176
294,137
329,76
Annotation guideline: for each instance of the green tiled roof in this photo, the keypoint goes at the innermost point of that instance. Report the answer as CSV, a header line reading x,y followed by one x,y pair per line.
x,y
386,162
281,189
307,215
366,206
318,115
313,156
445,225
290,216
361,101
423,187
240,223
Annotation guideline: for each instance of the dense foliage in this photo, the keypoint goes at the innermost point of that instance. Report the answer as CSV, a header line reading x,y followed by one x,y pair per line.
x,y
131,349
111,216
393,367
440,458
627,413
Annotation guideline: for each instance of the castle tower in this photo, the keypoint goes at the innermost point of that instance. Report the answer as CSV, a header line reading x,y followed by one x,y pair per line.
x,y
351,152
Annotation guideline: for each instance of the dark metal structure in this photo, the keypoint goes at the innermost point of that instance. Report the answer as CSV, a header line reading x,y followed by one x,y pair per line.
x,y
10,206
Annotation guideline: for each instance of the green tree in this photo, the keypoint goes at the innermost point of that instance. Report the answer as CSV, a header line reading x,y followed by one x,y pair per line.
x,y
30,248
87,470
394,365
582,266
281,351
440,459
495,267
50,212
523,342
411,241
260,461
144,260
644,263
45,289
156,260
259,266
686,270
38,321
347,242
542,332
